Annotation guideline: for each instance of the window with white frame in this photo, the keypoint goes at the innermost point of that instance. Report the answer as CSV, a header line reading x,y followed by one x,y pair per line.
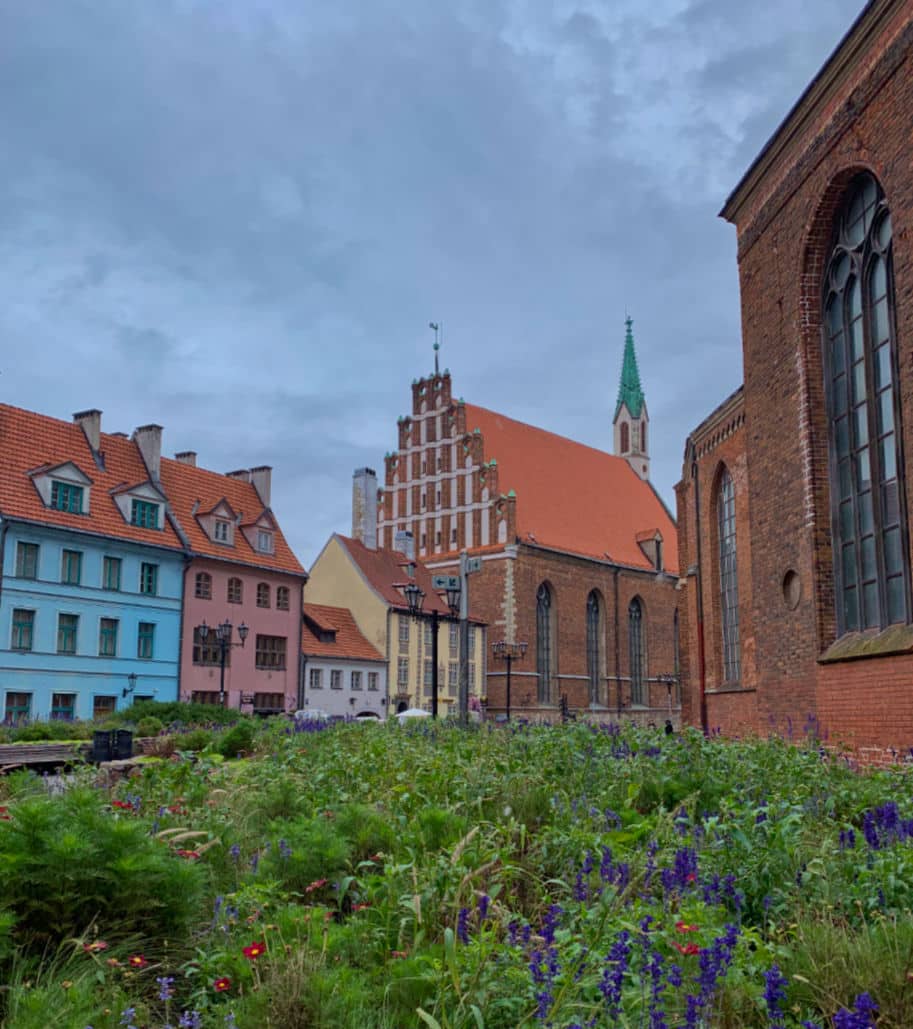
x,y
316,679
402,672
355,681
372,682
335,679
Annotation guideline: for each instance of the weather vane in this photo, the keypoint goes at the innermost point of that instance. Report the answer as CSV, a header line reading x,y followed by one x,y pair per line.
x,y
437,346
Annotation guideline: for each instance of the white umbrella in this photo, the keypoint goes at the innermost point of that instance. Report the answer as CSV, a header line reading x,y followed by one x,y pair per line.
x,y
412,712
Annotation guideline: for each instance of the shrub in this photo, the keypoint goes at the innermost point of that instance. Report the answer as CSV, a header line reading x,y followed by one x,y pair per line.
x,y
309,850
366,829
35,733
68,862
195,740
149,726
239,738
176,712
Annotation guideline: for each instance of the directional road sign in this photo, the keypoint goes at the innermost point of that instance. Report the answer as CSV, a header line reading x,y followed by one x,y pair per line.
x,y
446,582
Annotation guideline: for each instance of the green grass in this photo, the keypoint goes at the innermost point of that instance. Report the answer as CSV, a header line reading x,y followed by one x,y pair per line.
x,y
410,877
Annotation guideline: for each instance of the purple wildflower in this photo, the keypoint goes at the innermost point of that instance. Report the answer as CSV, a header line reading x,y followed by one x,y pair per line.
x,y
616,965
774,995
285,851
235,852
191,1020
166,986
484,903
463,926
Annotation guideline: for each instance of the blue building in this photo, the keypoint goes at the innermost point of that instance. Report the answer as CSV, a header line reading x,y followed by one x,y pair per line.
x,y
92,569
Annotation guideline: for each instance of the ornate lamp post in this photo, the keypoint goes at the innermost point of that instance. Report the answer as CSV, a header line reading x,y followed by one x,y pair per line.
x,y
415,598
224,642
508,652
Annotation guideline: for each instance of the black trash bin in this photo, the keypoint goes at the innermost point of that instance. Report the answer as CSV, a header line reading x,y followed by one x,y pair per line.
x,y
101,745
123,744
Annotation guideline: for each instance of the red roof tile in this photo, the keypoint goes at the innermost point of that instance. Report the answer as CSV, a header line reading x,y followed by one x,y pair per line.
x,y
383,568
194,491
573,497
349,642
30,441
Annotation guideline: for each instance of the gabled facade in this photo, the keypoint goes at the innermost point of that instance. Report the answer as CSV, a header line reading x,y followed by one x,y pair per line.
x,y
241,570
578,553
344,675
368,582
91,571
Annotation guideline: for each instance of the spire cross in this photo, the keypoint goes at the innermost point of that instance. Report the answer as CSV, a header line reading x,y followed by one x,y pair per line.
x,y
437,346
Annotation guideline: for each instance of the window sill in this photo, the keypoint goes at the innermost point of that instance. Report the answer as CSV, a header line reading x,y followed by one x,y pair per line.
x,y
732,687
854,646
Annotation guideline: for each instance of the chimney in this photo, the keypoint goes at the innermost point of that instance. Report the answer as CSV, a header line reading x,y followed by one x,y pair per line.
x,y
90,423
364,507
242,474
149,440
405,543
187,457
261,479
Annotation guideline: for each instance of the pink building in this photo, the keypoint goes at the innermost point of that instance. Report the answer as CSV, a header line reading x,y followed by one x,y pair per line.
x,y
241,572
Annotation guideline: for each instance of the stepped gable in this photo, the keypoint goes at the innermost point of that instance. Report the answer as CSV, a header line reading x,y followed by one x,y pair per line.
x,y
194,491
31,443
348,640
572,497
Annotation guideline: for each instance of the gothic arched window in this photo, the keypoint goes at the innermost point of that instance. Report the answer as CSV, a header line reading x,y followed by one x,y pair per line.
x,y
545,643
636,650
729,577
595,665
625,439
643,435
871,567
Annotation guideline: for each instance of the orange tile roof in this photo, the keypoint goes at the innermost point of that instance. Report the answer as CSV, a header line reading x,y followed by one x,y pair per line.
x,y
194,491
30,441
573,497
383,568
349,642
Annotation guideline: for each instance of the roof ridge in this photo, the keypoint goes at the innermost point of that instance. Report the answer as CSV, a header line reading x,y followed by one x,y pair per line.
x,y
547,432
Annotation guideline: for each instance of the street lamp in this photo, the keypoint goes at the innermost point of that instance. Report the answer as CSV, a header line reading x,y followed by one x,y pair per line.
x,y
128,689
224,642
508,652
415,598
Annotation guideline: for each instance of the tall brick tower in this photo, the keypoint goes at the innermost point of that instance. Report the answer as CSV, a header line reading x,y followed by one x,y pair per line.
x,y
631,418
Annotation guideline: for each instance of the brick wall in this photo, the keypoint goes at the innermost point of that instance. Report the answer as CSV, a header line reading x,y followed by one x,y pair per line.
x,y
784,211
504,595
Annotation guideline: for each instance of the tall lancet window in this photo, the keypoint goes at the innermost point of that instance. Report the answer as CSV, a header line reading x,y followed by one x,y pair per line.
x,y
636,650
729,577
595,665
545,643
625,442
871,565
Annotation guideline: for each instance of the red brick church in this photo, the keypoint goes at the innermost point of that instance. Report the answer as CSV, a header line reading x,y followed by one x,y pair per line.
x,y
579,553
794,504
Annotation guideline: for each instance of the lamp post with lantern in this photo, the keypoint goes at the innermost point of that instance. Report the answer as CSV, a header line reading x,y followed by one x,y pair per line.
x,y
415,598
224,642
508,652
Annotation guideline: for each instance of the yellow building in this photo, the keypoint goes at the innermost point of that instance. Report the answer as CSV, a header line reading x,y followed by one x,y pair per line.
x,y
369,581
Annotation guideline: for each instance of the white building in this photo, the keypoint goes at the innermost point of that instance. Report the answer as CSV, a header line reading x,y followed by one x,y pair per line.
x,y
344,675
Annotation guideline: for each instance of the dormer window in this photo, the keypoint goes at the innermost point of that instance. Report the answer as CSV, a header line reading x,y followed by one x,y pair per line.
x,y
221,531
144,514
65,496
264,542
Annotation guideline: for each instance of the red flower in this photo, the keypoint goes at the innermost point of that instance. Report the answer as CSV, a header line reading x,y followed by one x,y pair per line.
x,y
683,927
360,907
137,961
688,949
191,855
5,816
222,985
399,953
122,804
95,946
254,951
690,877
315,885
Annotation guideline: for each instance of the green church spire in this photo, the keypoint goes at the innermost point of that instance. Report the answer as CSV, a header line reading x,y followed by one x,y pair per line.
x,y
629,390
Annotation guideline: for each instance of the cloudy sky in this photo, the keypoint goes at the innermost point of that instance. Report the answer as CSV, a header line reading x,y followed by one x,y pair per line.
x,y
237,217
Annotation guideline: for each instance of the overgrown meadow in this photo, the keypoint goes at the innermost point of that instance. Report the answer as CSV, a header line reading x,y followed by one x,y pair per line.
x,y
380,877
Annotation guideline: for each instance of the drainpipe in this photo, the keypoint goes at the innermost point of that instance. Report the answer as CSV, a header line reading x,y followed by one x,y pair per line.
x,y
4,529
187,560
699,584
617,646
